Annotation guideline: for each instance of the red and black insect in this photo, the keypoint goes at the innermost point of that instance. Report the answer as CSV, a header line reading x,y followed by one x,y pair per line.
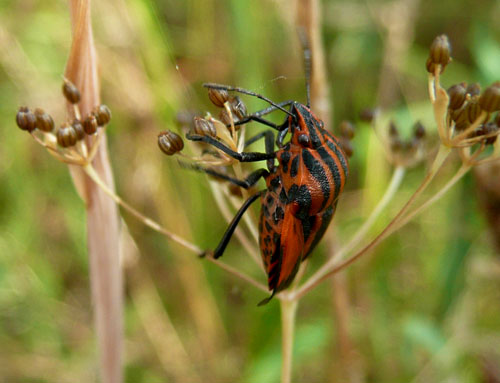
x,y
302,190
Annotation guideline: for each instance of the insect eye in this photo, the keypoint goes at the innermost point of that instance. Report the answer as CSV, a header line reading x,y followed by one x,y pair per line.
x,y
304,140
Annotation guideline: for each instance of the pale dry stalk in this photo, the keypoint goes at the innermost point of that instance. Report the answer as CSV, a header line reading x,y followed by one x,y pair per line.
x,y
102,214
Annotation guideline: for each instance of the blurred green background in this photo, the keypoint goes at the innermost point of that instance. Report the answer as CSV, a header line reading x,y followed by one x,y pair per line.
x,y
424,307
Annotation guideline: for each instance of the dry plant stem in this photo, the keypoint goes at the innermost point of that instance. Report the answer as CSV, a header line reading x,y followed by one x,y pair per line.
x,y
460,173
147,221
288,313
102,214
397,178
324,273
238,274
174,237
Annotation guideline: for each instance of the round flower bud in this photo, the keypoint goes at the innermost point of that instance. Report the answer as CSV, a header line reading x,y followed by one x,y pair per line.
x,y
204,127
346,130
489,101
102,115
457,94
90,124
44,121
25,119
419,130
80,133
238,108
66,136
346,146
367,115
393,130
473,110
440,50
70,91
218,96
170,142
473,89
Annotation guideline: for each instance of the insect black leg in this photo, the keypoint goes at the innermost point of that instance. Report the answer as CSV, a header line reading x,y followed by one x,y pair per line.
x,y
232,226
256,116
242,157
245,91
246,183
269,137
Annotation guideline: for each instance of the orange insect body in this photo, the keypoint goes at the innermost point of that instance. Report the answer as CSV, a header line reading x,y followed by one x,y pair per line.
x,y
301,196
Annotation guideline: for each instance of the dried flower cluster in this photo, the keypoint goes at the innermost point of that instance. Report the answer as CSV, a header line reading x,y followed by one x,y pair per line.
x,y
467,117
67,142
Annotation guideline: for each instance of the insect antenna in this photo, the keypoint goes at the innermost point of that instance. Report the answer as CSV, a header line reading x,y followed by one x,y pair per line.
x,y
248,92
304,41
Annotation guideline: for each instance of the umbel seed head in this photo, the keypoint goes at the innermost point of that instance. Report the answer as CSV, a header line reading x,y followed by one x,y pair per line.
x,y
489,101
457,94
238,107
70,91
473,89
419,130
204,127
66,136
440,50
170,142
25,119
347,130
90,124
218,96
80,133
102,115
44,121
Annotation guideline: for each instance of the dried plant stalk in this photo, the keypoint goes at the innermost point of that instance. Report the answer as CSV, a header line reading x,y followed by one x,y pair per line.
x,y
102,214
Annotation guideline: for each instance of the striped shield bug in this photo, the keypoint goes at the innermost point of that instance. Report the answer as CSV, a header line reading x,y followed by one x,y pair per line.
x,y
302,189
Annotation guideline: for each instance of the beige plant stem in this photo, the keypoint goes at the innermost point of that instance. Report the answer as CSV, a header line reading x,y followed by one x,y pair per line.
x,y
157,227
288,313
102,214
460,173
397,178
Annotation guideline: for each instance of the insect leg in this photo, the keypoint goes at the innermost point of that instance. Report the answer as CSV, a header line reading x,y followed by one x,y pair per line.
x,y
248,182
245,91
232,226
242,157
269,137
256,116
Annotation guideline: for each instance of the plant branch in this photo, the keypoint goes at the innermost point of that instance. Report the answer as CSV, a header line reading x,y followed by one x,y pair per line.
x,y
288,314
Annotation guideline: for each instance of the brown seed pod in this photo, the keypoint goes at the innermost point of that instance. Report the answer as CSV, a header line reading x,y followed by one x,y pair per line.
x,y
90,124
80,133
393,130
473,89
457,94
170,142
489,101
66,136
238,108
218,96
419,130
204,127
488,129
431,67
396,144
367,115
224,117
346,146
347,130
472,110
44,121
25,119
102,114
440,50
70,91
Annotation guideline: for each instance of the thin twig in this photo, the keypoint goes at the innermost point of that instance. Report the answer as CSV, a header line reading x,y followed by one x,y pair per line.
x,y
288,314
318,277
